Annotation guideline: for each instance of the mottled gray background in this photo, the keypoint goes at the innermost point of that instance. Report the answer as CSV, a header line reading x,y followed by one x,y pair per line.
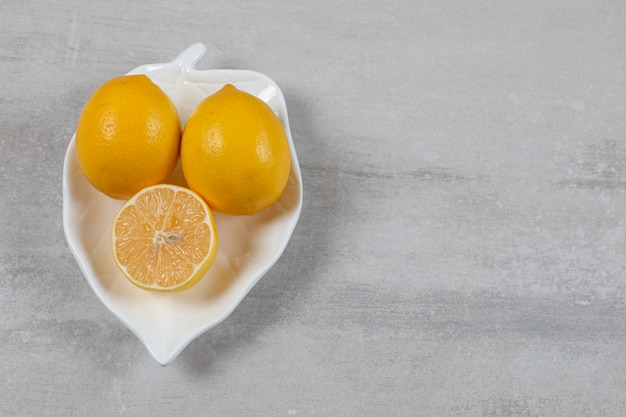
x,y
461,250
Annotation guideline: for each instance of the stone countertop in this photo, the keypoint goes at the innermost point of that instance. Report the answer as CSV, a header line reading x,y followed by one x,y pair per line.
x,y
461,249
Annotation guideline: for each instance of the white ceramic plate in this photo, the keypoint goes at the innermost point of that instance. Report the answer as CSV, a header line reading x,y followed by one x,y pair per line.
x,y
248,245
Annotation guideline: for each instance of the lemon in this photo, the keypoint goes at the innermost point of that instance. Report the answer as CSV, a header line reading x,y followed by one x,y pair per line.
x,y
128,136
164,238
235,152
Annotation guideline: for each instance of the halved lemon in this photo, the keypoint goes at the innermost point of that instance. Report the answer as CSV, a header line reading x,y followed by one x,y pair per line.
x,y
164,238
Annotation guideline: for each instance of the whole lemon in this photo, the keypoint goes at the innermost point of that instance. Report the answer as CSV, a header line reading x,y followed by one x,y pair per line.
x,y
128,136
235,152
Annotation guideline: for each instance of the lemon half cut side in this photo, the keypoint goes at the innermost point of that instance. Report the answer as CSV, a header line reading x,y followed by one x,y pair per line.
x,y
164,238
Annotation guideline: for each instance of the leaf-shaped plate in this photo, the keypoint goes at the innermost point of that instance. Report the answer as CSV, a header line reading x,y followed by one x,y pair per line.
x,y
248,246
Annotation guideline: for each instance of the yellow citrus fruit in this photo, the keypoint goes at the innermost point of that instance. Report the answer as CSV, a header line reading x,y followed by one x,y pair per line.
x,y
235,152
164,238
128,136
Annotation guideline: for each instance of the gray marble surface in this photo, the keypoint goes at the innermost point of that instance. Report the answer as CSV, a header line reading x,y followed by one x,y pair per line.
x,y
462,245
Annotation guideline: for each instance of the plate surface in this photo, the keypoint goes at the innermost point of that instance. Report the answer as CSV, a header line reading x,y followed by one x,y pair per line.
x,y
248,245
